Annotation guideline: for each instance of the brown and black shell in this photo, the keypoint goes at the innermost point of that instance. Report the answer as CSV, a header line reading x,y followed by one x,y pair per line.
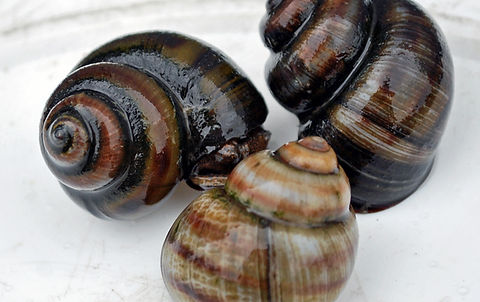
x,y
374,78
140,113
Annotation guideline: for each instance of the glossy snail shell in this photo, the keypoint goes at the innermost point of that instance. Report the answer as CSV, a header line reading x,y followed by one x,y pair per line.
x,y
281,230
141,113
374,78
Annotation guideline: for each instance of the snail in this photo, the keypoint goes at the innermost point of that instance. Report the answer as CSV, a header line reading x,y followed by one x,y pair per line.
x,y
282,229
374,78
141,113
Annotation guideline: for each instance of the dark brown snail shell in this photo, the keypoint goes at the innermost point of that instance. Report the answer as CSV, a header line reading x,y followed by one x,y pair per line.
x,y
374,78
141,113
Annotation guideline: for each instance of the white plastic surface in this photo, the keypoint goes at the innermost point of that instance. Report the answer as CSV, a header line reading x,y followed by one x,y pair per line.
x,y
425,249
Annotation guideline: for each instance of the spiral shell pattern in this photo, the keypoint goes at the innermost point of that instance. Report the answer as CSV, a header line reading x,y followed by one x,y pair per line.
x,y
374,78
110,136
136,116
227,246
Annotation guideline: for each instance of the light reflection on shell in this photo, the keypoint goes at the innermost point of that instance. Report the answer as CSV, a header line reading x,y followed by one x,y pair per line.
x,y
141,113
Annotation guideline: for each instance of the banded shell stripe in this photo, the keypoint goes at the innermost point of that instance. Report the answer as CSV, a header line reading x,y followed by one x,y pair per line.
x,y
374,138
218,262
92,159
287,193
198,273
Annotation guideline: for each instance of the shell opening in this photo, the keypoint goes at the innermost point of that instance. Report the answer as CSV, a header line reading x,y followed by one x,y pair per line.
x,y
212,170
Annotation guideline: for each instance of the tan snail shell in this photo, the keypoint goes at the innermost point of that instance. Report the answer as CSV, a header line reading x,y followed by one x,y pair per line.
x,y
373,77
141,113
282,230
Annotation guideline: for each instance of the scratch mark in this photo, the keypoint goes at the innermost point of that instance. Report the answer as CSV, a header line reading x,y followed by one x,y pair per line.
x,y
6,286
359,291
116,293
77,262
13,247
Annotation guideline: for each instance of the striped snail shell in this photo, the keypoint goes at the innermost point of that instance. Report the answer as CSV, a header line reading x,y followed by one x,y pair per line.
x,y
281,230
374,78
141,113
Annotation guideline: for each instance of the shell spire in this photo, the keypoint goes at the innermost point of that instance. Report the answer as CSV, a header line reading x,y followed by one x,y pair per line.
x,y
299,183
112,140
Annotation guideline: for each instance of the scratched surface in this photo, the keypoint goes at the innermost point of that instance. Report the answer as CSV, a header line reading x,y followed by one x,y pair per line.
x,y
425,249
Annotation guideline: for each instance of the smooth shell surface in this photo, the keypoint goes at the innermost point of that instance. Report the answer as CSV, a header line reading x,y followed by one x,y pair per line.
x,y
277,186
239,244
219,251
218,102
374,78
139,114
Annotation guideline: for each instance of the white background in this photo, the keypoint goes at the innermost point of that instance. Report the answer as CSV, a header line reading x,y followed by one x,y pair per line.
x,y
425,249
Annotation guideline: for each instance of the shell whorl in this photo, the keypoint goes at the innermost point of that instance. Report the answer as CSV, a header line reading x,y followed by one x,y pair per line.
x,y
324,41
110,135
74,137
300,183
374,78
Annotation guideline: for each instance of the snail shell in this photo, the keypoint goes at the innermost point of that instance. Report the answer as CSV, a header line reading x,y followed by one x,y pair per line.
x,y
374,78
281,230
141,113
